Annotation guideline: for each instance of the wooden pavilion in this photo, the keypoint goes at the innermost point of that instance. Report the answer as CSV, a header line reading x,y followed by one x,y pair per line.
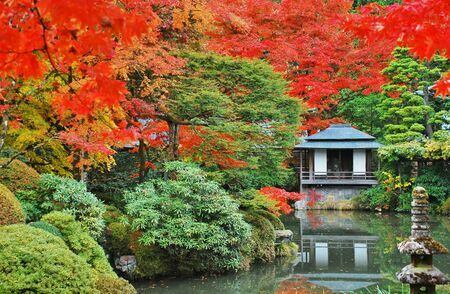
x,y
338,155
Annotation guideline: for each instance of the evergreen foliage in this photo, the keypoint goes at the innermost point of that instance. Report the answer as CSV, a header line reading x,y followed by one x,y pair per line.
x,y
191,217
47,227
108,284
70,196
35,261
79,241
262,243
408,115
248,101
118,238
18,176
10,208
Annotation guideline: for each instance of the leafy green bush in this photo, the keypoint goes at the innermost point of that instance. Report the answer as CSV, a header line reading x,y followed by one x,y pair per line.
x,y
112,214
152,261
18,176
191,217
272,218
289,249
71,196
262,243
35,261
10,209
252,199
112,285
392,192
118,238
445,208
437,183
79,241
29,200
47,227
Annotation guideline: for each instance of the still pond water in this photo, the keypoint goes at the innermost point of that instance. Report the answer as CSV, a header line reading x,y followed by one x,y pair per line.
x,y
339,252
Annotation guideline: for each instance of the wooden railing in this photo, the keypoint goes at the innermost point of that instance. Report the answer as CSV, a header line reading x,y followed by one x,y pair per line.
x,y
338,175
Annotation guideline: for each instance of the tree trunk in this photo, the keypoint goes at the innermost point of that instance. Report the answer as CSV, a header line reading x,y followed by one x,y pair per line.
x,y
174,140
83,169
142,159
426,99
4,130
79,169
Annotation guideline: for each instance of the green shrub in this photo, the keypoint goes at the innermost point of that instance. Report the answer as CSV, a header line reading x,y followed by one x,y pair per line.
x,y
47,227
112,214
79,241
118,238
18,176
437,183
29,200
190,216
35,261
112,285
289,249
272,218
10,209
262,244
252,199
152,261
445,208
72,197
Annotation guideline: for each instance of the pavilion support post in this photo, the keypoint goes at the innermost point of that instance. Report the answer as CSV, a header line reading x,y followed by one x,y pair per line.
x,y
301,171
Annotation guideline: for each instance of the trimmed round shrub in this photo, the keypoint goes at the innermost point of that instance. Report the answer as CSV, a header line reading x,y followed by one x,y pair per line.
x,y
10,209
262,243
118,238
35,261
272,218
79,241
113,285
18,175
46,227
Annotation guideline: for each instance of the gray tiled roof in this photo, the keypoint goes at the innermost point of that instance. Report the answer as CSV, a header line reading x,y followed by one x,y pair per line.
x,y
340,132
339,136
349,144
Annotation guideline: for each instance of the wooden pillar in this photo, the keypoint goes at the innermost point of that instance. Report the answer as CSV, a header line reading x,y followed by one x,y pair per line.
x,y
301,171
311,163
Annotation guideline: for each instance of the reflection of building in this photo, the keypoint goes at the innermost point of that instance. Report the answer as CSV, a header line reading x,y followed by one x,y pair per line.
x,y
339,155
335,255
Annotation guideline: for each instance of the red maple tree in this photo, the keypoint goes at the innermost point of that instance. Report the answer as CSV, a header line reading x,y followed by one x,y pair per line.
x,y
282,197
305,41
423,26
71,42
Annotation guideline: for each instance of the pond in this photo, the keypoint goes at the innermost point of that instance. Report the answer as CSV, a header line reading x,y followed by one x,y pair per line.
x,y
339,252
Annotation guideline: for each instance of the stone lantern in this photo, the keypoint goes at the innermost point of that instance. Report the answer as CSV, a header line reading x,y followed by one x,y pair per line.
x,y
421,274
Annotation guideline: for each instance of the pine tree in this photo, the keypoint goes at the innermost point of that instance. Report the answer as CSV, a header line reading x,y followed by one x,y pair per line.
x,y
411,112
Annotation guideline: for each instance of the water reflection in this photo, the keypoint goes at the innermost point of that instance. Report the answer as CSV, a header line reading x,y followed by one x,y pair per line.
x,y
335,253
339,252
